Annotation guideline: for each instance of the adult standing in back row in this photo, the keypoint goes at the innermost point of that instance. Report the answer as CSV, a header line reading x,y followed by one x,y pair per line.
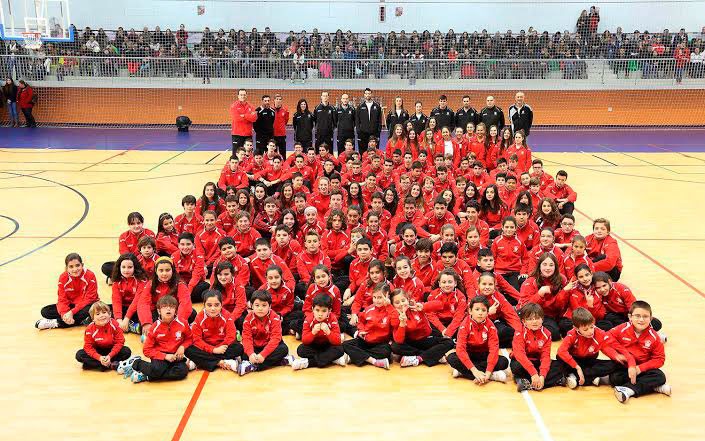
x,y
264,126
521,116
368,120
26,99
243,115
445,117
345,121
281,119
492,115
325,117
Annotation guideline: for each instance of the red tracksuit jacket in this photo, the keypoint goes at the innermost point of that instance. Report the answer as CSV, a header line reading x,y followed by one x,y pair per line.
x,y
418,220
192,226
417,325
264,333
380,249
320,338
237,179
320,202
335,244
358,273
560,237
619,299
288,253
107,336
575,345
502,285
211,332
168,242
226,223
554,305
258,271
331,291
305,263
524,154
482,228
148,303
243,114
607,246
207,244
494,220
76,292
509,254
245,241
469,255
450,317
505,310
577,300
565,192
128,241
537,251
234,298
282,299
165,338
476,337
433,224
191,268
570,262
148,263
217,205
529,346
426,273
412,285
125,291
375,324
529,234
263,222
646,349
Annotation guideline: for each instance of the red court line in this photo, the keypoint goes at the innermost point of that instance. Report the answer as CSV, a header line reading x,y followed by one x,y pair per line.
x,y
651,259
190,407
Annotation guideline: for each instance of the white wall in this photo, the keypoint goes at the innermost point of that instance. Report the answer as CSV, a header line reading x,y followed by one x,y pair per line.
x,y
362,15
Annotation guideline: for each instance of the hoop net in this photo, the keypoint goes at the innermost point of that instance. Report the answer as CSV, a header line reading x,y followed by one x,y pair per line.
x,y
32,40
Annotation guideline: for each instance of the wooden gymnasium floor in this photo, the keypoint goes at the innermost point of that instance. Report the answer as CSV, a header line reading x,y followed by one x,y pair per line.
x,y
76,200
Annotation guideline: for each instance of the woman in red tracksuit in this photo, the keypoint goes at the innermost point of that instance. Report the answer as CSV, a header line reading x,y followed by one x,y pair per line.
x,y
26,101
396,142
78,290
545,288
165,282
167,236
129,280
412,334
214,336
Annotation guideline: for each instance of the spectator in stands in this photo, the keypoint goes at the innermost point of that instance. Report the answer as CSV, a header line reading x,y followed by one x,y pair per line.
x,y
369,121
26,100
697,61
9,95
243,117
521,116
299,65
264,126
682,57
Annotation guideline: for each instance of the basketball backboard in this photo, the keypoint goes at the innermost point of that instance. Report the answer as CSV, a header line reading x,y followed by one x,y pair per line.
x,y
50,18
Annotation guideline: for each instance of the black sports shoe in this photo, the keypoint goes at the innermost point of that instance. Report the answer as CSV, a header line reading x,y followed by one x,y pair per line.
x,y
523,384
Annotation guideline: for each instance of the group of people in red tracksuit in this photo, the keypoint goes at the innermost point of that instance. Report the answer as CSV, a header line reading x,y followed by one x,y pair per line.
x,y
424,257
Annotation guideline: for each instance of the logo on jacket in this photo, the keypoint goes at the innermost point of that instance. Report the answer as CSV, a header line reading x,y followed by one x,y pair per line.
x,y
178,334
647,344
484,336
540,343
591,349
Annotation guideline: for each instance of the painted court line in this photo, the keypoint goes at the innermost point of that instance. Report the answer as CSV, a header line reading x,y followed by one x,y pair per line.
x,y
191,147
189,409
650,259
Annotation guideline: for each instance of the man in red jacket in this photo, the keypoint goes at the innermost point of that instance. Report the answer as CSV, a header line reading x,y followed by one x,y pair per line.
x,y
26,101
243,115
281,118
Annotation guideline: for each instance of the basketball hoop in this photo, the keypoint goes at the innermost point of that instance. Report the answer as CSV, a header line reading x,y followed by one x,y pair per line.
x,y
32,40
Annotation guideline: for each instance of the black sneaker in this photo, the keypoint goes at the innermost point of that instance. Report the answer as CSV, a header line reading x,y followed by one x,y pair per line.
x,y
523,384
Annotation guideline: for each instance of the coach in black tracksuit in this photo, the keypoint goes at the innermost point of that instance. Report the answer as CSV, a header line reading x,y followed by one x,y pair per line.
x,y
521,116
466,114
303,122
396,116
326,117
445,117
368,121
264,126
345,119
492,115
419,121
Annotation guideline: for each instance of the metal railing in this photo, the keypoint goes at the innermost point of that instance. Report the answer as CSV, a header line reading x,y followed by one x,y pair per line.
x,y
203,69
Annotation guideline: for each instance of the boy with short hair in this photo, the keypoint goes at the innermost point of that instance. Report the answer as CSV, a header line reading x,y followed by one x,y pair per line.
x,y
643,343
581,346
103,342
321,338
231,175
561,192
262,337
189,221
262,260
226,220
267,221
423,265
244,235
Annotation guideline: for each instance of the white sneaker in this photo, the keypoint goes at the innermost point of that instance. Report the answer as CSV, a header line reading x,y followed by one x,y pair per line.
x,y
663,389
499,376
382,363
571,381
288,360
409,361
596,381
455,373
663,336
190,365
342,361
299,363
232,364
45,323
245,368
125,366
622,394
